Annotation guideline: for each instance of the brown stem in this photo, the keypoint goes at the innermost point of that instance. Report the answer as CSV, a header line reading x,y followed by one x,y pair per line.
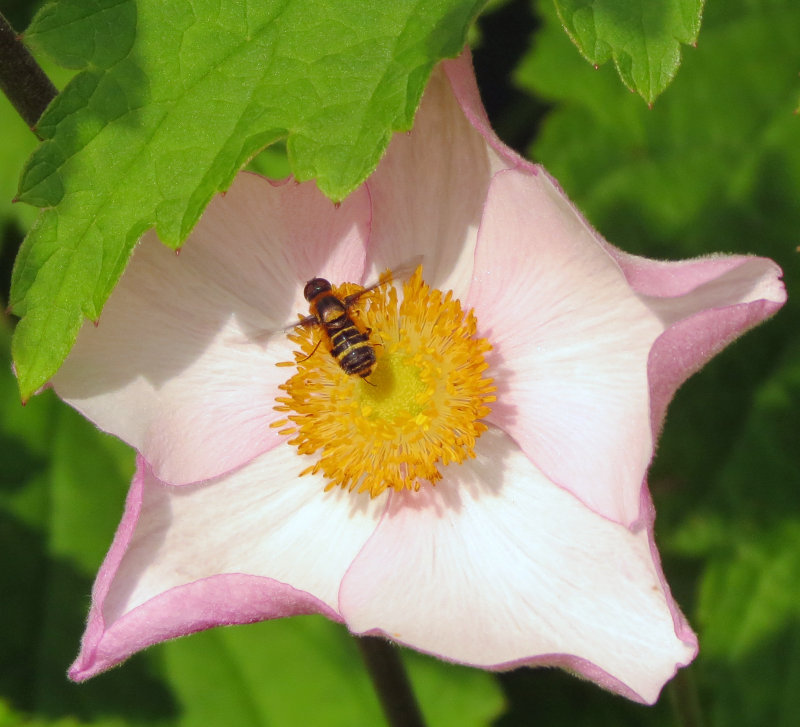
x,y
685,702
391,682
21,79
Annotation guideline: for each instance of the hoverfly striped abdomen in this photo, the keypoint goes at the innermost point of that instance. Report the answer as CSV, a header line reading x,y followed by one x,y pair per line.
x,y
349,346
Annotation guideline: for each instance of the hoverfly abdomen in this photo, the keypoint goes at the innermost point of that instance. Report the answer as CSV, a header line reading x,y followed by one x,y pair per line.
x,y
344,339
358,360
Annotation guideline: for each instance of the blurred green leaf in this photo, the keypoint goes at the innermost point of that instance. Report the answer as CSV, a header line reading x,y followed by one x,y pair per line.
x,y
12,718
173,99
274,673
718,142
750,595
746,528
272,162
454,696
643,37
308,671
18,143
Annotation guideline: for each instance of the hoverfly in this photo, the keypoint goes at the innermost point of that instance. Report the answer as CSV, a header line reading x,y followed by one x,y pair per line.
x,y
347,344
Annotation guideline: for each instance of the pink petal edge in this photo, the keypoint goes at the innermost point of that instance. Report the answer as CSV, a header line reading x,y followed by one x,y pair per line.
x,y
224,599
688,345
741,292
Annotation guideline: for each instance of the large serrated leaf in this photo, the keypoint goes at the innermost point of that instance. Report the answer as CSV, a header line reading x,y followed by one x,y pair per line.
x,y
642,37
173,99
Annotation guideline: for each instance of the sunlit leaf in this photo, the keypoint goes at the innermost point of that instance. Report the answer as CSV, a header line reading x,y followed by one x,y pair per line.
x,y
172,100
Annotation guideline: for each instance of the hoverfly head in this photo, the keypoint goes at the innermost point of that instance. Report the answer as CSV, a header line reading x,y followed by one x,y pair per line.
x,y
315,287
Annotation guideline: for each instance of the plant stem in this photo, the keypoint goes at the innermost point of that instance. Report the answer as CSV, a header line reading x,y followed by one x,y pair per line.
x,y
684,700
21,79
390,680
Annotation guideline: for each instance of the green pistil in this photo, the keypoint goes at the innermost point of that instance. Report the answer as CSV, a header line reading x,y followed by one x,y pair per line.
x,y
397,389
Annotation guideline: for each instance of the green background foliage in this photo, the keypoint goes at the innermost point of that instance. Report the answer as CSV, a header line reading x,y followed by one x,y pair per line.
x,y
714,165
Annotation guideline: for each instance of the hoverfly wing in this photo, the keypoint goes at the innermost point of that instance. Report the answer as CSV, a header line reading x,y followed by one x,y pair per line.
x,y
353,297
388,276
406,269
261,336
305,321
400,273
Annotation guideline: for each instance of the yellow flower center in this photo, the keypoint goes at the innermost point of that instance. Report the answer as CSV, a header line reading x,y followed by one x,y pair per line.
x,y
420,407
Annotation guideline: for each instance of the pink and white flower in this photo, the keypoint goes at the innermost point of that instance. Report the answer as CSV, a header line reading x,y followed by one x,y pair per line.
x,y
539,550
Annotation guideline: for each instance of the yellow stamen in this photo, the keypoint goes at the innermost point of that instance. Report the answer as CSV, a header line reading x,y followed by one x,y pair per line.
x,y
421,406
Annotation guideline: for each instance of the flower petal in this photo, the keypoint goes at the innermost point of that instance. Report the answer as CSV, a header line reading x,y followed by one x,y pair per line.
x,y
461,76
178,366
242,548
415,214
570,345
497,567
705,304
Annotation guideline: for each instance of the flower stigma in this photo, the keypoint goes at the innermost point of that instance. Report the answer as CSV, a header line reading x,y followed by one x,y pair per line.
x,y
421,406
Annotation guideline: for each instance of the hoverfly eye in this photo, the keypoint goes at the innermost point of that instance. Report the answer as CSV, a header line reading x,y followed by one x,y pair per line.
x,y
315,287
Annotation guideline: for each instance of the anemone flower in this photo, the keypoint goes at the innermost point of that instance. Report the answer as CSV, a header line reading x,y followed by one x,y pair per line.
x,y
480,494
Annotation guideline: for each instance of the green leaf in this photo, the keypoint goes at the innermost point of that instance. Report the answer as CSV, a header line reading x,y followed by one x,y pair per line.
x,y
643,37
272,162
751,595
173,99
13,718
748,619
307,670
720,148
451,695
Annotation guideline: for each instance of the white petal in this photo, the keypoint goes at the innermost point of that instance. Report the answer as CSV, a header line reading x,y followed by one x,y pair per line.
x,y
179,366
260,520
429,189
570,344
497,566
